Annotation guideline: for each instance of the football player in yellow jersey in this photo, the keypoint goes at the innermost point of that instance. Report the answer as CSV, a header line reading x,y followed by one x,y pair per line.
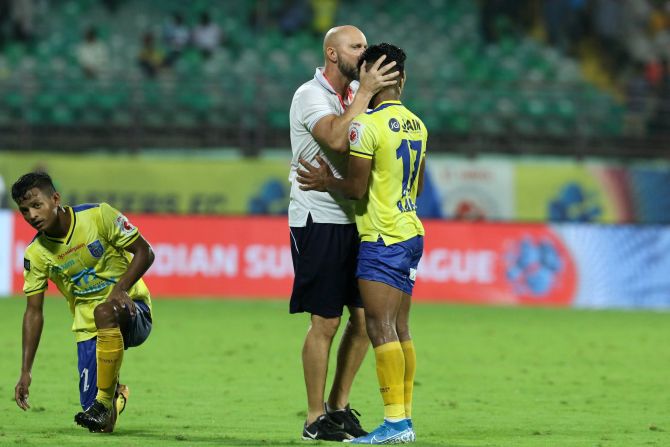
x,y
387,147
86,252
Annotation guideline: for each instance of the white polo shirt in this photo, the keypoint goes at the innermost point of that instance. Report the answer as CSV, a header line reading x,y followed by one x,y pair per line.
x,y
314,100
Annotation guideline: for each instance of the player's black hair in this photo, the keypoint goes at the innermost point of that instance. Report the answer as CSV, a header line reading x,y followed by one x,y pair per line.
x,y
39,180
393,53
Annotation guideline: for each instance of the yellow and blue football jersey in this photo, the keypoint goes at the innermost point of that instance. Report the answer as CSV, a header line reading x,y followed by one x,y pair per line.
x,y
85,264
395,140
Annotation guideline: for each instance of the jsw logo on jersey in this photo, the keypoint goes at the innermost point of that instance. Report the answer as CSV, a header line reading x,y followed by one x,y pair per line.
x,y
88,282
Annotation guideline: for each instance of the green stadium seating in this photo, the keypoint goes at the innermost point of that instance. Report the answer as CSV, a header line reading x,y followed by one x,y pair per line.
x,y
455,82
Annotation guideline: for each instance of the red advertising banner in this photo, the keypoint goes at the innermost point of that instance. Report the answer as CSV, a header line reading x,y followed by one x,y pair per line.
x,y
251,257
495,263
204,256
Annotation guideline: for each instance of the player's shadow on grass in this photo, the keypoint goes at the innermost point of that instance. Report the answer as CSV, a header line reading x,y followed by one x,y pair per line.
x,y
235,441
190,439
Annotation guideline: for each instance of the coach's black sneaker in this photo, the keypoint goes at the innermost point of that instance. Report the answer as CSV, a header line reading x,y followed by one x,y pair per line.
x,y
95,418
324,429
348,420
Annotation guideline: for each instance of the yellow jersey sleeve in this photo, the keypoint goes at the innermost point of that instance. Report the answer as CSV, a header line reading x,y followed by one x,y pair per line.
x,y
425,138
116,227
363,139
34,273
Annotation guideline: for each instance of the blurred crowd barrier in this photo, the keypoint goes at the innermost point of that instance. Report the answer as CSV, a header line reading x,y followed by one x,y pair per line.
x,y
559,265
486,188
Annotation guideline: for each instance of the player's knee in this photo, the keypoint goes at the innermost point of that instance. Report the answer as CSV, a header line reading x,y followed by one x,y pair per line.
x,y
357,328
105,315
326,327
380,331
403,333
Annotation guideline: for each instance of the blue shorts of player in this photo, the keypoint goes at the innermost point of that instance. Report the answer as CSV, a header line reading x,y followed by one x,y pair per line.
x,y
394,265
134,334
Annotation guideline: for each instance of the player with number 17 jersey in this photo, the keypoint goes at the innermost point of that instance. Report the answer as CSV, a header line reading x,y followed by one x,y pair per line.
x,y
395,139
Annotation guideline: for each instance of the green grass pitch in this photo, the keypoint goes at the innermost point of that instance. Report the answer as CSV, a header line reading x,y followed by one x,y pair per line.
x,y
228,373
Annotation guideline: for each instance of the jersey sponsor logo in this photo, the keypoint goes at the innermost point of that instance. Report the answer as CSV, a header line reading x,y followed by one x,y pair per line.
x,y
71,250
96,249
26,264
87,281
123,224
411,125
63,267
394,125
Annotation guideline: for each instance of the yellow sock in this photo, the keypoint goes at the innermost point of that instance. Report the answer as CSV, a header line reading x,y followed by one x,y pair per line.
x,y
410,371
109,356
391,373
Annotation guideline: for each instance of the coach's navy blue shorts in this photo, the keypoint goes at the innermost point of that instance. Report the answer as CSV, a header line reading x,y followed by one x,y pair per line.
x,y
394,264
133,335
324,262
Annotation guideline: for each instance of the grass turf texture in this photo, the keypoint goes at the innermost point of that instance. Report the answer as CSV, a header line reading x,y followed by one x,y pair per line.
x,y
229,373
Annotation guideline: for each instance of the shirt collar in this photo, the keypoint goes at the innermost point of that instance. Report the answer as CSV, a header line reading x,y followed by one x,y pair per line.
x,y
65,239
325,83
392,101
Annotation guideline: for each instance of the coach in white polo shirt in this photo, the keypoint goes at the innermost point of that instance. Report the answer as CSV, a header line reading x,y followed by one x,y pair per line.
x,y
324,241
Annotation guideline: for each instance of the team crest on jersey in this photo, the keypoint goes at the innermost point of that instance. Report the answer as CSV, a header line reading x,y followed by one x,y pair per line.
x,y
123,224
96,249
354,133
394,125
26,264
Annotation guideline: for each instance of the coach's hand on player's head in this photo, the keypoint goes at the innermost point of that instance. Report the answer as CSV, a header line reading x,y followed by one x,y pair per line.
x,y
377,78
21,391
314,178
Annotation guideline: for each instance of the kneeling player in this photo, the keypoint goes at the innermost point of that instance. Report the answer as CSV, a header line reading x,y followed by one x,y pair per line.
x,y
387,147
86,252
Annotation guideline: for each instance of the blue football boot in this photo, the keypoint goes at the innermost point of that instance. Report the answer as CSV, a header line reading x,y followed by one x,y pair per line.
x,y
411,427
388,433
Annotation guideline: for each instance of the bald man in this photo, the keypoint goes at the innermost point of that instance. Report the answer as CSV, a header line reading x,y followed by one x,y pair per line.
x,y
324,240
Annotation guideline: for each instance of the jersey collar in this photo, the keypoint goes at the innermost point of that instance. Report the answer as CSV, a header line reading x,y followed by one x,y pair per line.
x,y
325,83
66,239
384,104
393,102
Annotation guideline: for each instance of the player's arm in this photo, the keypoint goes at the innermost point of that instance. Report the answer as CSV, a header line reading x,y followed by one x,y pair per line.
x,y
331,130
143,257
421,172
33,321
321,178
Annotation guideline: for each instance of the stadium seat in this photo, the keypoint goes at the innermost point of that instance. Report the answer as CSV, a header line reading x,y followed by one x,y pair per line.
x,y
498,85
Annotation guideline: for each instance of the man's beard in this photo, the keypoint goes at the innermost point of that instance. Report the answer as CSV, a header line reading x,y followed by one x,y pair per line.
x,y
350,71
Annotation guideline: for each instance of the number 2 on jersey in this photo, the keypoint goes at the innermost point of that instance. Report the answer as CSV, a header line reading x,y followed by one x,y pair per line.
x,y
409,171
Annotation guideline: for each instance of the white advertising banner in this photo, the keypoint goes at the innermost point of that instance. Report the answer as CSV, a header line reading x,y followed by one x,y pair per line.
x,y
6,243
474,189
